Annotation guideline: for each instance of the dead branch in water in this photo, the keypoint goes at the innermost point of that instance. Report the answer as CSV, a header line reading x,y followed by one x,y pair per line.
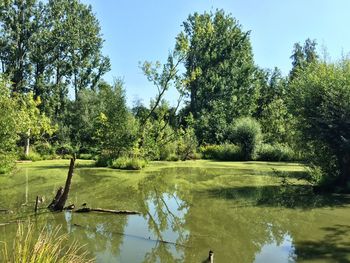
x,y
101,210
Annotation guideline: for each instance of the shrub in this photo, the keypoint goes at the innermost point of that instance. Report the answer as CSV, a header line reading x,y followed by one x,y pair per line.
x,y
44,148
276,152
103,160
7,162
224,152
48,247
86,156
32,156
166,151
126,163
246,133
187,144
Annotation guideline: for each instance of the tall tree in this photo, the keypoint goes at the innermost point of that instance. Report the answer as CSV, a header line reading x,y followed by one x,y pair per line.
x,y
16,38
303,56
219,70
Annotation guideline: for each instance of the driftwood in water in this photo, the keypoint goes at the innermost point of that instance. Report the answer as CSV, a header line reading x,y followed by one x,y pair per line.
x,y
62,195
119,212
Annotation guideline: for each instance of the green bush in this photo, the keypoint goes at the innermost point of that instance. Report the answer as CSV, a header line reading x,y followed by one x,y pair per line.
x,y
166,151
32,156
7,162
126,163
276,152
246,133
44,148
224,152
103,160
86,156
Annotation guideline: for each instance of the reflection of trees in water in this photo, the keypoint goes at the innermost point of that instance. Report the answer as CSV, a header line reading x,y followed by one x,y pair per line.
x,y
156,193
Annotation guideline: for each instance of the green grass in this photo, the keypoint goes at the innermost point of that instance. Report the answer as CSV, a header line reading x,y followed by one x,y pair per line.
x,y
49,247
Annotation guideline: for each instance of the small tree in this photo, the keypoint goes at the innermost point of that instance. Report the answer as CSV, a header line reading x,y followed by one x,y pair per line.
x,y
321,103
8,126
246,133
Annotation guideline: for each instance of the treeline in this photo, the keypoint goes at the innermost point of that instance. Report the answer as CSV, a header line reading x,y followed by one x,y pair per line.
x,y
228,108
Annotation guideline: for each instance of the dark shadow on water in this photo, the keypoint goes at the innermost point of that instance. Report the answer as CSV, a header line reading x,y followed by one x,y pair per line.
x,y
331,248
289,196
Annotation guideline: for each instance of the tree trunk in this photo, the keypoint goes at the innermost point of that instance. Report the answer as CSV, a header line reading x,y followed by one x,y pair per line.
x,y
344,177
27,145
62,200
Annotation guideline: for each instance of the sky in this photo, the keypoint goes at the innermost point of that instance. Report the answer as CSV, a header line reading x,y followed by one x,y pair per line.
x,y
139,30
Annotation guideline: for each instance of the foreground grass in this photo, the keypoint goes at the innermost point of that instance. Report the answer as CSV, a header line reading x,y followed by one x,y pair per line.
x,y
49,247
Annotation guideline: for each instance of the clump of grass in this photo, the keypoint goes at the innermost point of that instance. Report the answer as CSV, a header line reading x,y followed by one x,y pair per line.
x,y
49,247
128,163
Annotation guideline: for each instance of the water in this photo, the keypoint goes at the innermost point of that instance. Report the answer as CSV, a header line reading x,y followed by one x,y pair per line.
x,y
239,210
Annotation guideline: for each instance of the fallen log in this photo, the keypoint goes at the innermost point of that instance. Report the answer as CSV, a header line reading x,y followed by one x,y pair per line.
x,y
100,210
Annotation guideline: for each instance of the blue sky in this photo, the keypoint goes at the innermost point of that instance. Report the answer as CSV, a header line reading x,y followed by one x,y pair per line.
x,y
139,30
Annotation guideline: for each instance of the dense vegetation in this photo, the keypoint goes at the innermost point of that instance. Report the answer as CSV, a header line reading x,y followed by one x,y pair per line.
x,y
54,101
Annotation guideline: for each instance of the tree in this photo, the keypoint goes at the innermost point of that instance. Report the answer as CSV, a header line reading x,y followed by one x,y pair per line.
x,y
303,56
49,47
116,128
220,72
320,101
8,126
16,37
32,122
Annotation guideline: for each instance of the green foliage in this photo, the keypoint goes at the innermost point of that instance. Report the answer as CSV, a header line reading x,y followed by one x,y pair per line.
x,y
44,148
320,101
220,72
224,152
50,246
32,156
103,160
275,153
9,126
277,122
116,128
7,162
246,133
126,163
39,58
187,144
86,156
65,149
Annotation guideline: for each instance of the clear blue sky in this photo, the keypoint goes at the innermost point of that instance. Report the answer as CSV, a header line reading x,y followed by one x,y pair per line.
x,y
139,30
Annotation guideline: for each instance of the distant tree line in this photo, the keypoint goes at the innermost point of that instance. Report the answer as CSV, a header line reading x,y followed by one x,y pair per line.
x,y
54,101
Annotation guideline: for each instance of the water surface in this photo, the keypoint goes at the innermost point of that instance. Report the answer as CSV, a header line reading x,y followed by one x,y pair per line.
x,y
241,211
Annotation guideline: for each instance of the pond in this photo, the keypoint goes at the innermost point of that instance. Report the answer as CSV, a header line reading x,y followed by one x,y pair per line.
x,y
244,212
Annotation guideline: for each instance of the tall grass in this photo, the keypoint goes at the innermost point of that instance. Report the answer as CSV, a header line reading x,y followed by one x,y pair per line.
x,y
49,247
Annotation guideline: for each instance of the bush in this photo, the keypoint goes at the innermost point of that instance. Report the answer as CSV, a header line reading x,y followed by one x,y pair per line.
x,y
276,152
166,151
32,156
126,163
44,148
7,162
224,152
86,156
103,160
246,133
